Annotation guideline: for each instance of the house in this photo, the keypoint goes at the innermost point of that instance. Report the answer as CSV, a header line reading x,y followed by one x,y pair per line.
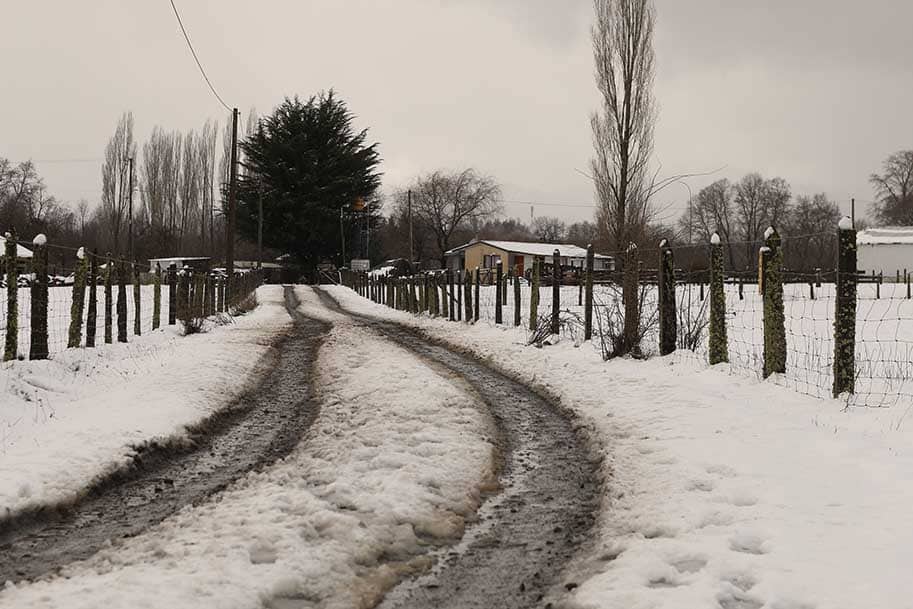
x,y
197,263
887,250
23,257
485,253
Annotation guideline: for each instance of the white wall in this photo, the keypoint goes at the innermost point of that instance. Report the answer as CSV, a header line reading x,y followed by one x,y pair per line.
x,y
887,258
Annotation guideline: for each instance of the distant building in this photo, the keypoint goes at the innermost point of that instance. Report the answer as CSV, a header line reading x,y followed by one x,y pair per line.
x,y
485,253
23,256
885,250
197,263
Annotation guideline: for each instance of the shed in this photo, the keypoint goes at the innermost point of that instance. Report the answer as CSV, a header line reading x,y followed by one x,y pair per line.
x,y
485,253
887,250
23,256
197,263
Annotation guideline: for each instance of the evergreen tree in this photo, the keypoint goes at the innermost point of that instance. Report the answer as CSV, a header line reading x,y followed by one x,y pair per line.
x,y
314,173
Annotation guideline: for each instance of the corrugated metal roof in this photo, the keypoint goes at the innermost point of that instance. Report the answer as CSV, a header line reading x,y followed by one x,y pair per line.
x,y
565,250
885,236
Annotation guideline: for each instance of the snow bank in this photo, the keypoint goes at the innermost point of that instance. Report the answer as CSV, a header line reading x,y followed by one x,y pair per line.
x,y
66,421
391,467
724,491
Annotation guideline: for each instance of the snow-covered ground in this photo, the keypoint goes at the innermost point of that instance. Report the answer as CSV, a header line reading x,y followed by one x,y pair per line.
x,y
68,420
392,466
724,491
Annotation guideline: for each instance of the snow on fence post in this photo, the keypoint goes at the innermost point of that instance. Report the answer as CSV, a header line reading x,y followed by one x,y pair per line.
x,y
499,302
173,295
121,302
78,302
11,341
631,271
137,301
517,319
109,299
92,310
667,313
38,347
718,340
556,291
157,297
534,295
845,314
774,316
475,302
588,297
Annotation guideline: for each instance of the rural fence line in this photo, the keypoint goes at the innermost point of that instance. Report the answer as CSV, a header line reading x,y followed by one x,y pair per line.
x,y
796,311
105,299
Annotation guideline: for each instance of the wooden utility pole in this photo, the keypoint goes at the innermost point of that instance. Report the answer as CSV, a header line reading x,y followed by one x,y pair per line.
x,y
232,205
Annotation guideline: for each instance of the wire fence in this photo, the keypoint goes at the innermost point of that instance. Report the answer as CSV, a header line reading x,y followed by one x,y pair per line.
x,y
882,356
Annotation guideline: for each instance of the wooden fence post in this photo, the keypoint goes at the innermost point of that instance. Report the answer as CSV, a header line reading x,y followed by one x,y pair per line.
x,y
157,297
445,297
121,302
475,302
459,294
630,287
718,341
78,302
467,294
845,314
579,288
499,313
92,310
183,292
137,301
210,293
11,340
774,317
172,295
517,320
667,306
588,297
109,299
38,347
534,294
450,299
556,291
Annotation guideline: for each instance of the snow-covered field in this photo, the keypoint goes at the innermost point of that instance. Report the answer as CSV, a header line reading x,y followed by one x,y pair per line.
x,y
724,490
59,301
375,484
884,333
67,420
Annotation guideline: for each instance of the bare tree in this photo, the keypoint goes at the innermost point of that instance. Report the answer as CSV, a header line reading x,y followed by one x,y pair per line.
x,y
623,127
759,203
115,179
894,189
82,215
810,227
549,229
446,203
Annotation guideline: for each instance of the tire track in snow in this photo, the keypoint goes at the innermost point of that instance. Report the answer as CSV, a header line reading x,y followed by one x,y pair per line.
x,y
526,535
258,428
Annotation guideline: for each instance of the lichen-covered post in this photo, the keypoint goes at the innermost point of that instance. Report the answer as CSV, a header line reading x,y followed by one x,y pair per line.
x,y
517,320
137,301
92,310
588,294
475,302
173,295
458,287
845,315
11,341
467,295
499,273
109,299
450,299
183,291
667,314
38,344
718,340
121,302
774,316
78,302
534,294
556,291
630,280
157,297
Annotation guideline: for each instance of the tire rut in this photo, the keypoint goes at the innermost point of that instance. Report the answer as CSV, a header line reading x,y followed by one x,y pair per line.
x,y
515,555
256,429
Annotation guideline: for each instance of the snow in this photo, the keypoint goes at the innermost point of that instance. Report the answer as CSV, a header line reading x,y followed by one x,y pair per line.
x,y
883,236
392,466
770,231
81,253
714,239
40,239
724,490
534,249
846,223
66,421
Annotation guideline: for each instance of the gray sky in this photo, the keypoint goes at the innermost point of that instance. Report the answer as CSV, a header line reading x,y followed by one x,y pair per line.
x,y
815,91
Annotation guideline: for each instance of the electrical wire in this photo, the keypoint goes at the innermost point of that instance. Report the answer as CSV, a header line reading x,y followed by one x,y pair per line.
x,y
197,59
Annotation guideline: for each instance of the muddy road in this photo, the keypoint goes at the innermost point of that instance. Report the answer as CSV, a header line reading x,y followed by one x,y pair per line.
x,y
264,424
528,532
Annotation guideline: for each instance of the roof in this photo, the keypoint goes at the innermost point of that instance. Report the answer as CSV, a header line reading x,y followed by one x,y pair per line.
x,y
885,236
179,259
565,250
21,251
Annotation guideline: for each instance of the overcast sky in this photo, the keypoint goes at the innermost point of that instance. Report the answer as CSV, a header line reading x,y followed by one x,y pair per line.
x,y
815,91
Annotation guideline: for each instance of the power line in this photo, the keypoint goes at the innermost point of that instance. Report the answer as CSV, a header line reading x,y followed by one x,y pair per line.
x,y
197,59
547,204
